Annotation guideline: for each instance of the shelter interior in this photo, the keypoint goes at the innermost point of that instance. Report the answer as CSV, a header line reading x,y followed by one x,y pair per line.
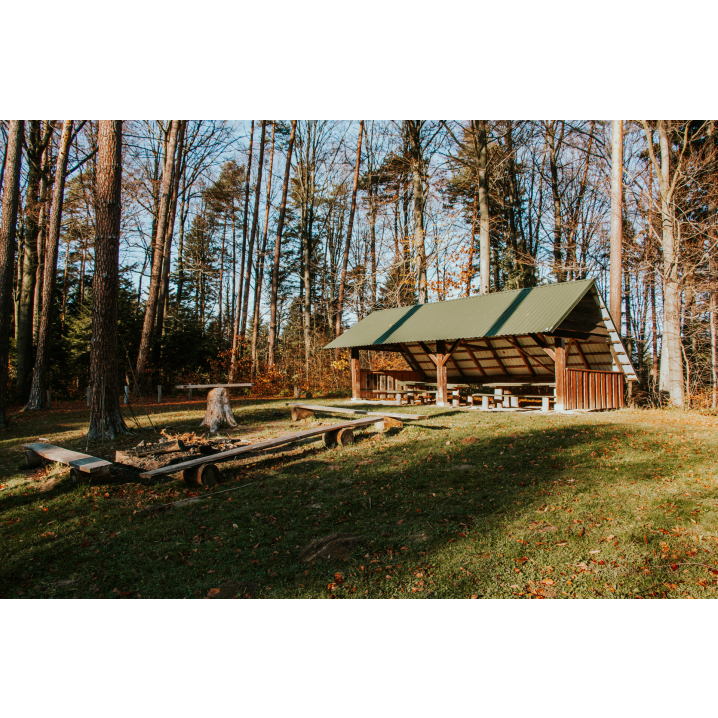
x,y
556,341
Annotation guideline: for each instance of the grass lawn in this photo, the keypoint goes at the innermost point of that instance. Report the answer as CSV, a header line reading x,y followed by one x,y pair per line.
x,y
463,504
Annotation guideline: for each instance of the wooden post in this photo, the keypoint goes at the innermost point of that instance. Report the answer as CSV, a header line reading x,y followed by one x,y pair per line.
x,y
499,397
545,403
356,375
127,395
560,352
190,393
441,382
49,399
159,393
484,403
88,396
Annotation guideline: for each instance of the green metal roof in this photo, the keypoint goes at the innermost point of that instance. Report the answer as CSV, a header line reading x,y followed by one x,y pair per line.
x,y
513,313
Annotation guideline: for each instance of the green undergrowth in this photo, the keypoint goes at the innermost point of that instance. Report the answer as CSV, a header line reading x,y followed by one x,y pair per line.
x,y
461,504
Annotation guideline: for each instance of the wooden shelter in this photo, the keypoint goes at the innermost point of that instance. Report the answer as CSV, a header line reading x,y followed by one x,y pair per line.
x,y
558,334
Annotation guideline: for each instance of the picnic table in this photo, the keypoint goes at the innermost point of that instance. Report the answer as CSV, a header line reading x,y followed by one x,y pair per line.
x,y
514,395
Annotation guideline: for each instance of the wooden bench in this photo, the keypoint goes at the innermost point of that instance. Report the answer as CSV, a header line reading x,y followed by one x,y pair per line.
x,y
211,386
303,411
203,470
78,463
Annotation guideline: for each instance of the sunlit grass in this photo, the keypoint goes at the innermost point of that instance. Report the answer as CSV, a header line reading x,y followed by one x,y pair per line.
x,y
616,504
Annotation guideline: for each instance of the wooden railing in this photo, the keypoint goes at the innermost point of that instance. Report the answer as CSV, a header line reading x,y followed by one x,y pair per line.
x,y
371,383
593,389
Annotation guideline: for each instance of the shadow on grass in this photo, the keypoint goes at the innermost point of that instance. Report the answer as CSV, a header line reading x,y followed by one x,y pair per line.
x,y
466,519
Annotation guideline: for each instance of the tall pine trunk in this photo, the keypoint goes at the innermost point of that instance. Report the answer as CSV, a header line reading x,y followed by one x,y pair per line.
x,y
262,257
484,226
162,303
272,343
253,233
417,177
347,244
28,275
616,222
148,327
8,222
240,291
37,398
105,416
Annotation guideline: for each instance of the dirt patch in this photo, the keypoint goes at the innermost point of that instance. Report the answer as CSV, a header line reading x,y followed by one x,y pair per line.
x,y
469,440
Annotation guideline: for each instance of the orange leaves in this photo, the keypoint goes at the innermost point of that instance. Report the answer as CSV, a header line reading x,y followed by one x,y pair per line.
x,y
336,583
212,592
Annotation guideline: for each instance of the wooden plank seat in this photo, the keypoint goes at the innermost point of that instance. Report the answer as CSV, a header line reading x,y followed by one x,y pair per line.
x,y
212,386
82,463
191,470
310,409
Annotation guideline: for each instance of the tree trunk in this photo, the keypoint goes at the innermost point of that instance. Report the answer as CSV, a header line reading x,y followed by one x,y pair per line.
x,y
105,416
240,292
159,247
11,199
470,261
219,411
162,302
26,283
714,338
45,188
278,253
38,391
260,274
671,288
347,243
558,267
253,233
417,171
480,134
616,222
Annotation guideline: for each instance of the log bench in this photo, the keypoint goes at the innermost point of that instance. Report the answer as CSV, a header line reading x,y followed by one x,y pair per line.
x,y
203,470
78,463
304,411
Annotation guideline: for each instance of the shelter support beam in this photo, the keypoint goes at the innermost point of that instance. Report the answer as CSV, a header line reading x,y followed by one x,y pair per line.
x,y
560,353
356,375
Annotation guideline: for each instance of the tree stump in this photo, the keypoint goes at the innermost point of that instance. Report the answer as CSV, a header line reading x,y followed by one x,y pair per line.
x,y
388,423
219,411
298,413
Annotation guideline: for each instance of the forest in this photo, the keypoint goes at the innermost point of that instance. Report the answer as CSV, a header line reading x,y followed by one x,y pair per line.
x,y
151,252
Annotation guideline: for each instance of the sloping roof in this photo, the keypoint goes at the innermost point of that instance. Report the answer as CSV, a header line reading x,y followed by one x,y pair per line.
x,y
513,313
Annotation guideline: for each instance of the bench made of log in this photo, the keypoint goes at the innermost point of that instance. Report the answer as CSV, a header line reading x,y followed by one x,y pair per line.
x,y
213,386
34,453
342,410
188,468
